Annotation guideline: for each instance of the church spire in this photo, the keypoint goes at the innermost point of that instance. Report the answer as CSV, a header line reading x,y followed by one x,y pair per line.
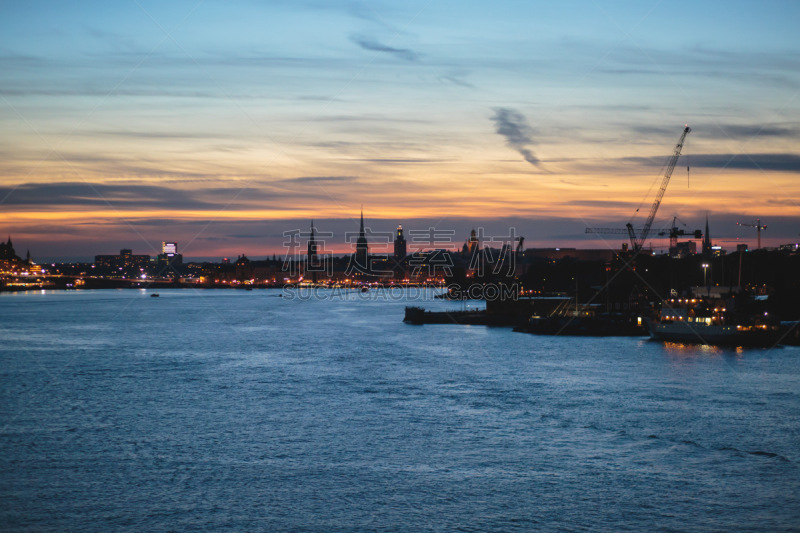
x,y
312,245
707,240
362,248
312,263
362,238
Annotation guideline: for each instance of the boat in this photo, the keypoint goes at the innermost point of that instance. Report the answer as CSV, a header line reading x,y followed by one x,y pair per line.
x,y
703,321
569,317
155,295
600,325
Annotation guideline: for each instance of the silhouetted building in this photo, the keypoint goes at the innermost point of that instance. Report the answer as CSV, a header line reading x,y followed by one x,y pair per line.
x,y
312,246
7,252
684,249
313,259
473,243
792,248
10,261
400,251
589,254
123,263
169,256
244,271
362,250
471,253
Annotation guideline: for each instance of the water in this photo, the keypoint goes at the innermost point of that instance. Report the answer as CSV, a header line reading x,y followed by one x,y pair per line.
x,y
243,411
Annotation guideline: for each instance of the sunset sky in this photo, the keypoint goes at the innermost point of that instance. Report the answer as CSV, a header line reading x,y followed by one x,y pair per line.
x,y
222,125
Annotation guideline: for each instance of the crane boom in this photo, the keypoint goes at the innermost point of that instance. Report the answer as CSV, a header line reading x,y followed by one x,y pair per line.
x,y
612,231
638,242
758,226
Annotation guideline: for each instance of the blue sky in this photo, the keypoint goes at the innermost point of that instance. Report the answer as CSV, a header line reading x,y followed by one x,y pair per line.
x,y
126,123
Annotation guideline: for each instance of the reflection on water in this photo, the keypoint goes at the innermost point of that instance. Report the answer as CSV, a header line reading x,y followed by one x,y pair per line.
x,y
245,410
691,350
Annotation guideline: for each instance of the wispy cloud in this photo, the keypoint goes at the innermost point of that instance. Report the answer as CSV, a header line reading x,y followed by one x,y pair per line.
x,y
376,46
142,197
515,128
603,203
785,162
100,195
403,161
320,179
745,131
728,131
457,80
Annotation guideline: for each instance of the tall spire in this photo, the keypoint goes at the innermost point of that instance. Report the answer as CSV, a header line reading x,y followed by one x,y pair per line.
x,y
312,245
362,238
362,248
312,261
707,240
400,244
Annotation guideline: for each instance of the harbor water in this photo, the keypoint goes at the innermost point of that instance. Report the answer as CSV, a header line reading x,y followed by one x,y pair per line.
x,y
231,410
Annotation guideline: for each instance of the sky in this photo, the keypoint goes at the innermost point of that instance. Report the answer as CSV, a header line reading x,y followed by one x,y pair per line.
x,y
226,126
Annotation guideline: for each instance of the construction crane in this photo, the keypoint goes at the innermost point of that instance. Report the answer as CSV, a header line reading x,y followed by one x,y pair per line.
x,y
638,242
610,231
638,236
675,232
758,226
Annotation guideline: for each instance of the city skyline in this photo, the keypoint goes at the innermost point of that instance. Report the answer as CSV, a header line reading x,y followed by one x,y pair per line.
x,y
381,241
221,126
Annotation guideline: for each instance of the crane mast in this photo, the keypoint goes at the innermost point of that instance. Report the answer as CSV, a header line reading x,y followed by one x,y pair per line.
x,y
758,226
638,242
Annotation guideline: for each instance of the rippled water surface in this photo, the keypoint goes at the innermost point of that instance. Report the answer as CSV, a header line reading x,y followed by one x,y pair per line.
x,y
243,411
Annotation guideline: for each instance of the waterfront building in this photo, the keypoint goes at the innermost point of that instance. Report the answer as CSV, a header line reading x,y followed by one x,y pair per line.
x,y
7,252
473,243
123,263
169,256
11,263
362,250
312,263
9,260
312,246
243,269
400,251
